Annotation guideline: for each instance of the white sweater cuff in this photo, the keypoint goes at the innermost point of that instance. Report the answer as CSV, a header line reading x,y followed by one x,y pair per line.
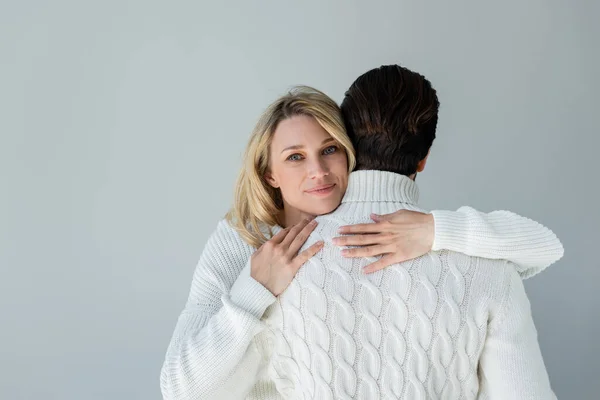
x,y
250,295
450,230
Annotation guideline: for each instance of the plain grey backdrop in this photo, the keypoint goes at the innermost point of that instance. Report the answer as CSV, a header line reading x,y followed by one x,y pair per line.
x,y
123,122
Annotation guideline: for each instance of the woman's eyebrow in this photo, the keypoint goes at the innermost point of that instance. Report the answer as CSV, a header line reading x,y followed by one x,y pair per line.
x,y
299,146
295,147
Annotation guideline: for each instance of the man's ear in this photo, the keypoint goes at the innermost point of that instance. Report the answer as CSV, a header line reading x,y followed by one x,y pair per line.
x,y
423,162
270,180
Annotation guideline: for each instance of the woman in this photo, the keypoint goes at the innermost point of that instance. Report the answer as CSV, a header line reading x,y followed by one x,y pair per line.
x,y
299,148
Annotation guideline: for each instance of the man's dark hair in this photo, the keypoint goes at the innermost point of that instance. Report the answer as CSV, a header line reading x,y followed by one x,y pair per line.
x,y
391,116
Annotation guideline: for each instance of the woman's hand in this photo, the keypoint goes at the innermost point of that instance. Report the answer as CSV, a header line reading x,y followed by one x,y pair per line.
x,y
276,262
400,236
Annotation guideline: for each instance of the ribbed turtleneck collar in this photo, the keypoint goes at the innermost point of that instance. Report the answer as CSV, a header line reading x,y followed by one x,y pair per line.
x,y
381,186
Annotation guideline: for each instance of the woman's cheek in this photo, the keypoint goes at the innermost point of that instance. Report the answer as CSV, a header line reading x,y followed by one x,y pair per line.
x,y
341,162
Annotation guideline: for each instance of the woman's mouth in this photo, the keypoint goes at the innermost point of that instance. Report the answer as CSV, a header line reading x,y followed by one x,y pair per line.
x,y
322,190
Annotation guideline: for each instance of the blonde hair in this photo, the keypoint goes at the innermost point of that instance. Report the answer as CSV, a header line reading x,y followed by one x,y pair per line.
x,y
257,204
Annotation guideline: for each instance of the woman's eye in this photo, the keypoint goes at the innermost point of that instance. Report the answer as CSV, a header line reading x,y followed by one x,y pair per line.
x,y
295,157
330,150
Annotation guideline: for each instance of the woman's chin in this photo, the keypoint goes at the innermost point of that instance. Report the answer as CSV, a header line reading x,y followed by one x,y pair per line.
x,y
326,208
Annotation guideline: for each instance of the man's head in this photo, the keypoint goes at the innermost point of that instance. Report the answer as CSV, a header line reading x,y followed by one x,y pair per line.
x,y
391,116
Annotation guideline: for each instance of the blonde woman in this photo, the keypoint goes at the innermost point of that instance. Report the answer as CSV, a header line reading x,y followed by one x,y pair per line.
x,y
296,167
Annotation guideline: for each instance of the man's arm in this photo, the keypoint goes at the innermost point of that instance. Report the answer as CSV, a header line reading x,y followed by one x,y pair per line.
x,y
511,364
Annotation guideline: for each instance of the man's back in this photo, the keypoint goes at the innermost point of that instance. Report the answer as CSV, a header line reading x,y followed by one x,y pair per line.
x,y
444,325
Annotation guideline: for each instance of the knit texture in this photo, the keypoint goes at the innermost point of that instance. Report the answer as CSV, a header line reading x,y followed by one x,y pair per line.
x,y
422,329
497,235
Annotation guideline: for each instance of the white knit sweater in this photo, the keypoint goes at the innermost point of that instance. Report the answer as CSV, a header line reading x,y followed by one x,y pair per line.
x,y
442,326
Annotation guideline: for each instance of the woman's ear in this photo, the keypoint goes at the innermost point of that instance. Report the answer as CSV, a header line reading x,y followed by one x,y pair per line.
x,y
270,180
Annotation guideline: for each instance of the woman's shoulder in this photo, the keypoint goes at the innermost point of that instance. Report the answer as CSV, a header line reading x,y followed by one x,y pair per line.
x,y
226,238
224,256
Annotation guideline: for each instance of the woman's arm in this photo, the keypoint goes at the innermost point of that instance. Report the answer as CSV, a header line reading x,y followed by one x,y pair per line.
x,y
211,352
511,364
214,331
498,235
404,235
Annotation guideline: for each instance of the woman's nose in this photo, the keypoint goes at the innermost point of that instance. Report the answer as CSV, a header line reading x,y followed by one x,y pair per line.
x,y
318,169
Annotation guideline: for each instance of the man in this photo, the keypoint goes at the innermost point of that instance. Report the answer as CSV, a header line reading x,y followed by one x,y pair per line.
x,y
441,326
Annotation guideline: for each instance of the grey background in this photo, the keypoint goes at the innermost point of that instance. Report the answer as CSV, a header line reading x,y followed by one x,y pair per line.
x,y
122,125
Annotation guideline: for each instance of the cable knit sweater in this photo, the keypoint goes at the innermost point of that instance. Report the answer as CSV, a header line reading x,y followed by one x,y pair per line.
x,y
442,326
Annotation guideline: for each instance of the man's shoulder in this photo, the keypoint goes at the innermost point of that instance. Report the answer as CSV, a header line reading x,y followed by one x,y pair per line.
x,y
472,262
333,221
486,276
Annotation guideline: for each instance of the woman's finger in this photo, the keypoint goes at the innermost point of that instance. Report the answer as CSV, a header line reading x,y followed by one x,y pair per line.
x,y
306,255
385,217
301,238
279,236
371,227
368,251
294,231
363,240
382,263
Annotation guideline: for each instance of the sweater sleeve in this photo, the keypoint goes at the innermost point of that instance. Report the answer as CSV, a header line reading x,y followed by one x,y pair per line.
x,y
498,235
511,364
213,335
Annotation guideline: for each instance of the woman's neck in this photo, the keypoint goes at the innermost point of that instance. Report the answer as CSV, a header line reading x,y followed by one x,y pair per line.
x,y
290,217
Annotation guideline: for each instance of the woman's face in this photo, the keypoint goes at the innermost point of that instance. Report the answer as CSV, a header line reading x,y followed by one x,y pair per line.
x,y
308,166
